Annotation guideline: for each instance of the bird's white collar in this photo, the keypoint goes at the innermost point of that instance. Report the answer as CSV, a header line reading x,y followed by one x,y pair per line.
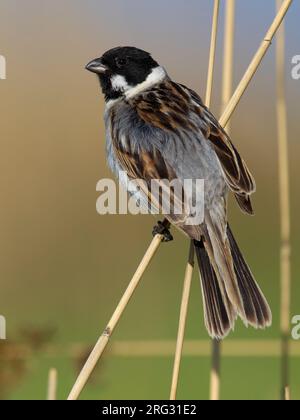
x,y
157,75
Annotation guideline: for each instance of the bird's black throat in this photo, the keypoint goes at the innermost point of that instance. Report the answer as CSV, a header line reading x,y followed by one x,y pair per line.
x,y
108,91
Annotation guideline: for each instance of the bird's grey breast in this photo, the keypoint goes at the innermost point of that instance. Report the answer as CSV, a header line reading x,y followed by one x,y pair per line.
x,y
188,153
193,158
126,130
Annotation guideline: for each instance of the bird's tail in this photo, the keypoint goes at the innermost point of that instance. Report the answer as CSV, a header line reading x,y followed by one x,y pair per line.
x,y
228,286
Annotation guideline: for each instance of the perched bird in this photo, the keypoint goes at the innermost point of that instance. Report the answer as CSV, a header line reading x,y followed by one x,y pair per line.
x,y
158,129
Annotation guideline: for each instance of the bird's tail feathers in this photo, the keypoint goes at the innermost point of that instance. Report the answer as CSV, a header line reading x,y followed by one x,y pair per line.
x,y
228,286
257,309
219,315
218,249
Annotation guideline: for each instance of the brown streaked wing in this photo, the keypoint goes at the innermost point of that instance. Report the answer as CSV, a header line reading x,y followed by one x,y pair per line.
x,y
150,166
237,174
166,107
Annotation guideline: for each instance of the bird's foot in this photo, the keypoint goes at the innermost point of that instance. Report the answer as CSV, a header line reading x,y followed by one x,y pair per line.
x,y
162,228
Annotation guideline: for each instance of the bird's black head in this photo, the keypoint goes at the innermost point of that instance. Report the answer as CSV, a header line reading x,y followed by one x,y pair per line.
x,y
123,69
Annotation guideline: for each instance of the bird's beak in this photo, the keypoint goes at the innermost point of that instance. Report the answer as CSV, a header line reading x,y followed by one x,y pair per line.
x,y
96,66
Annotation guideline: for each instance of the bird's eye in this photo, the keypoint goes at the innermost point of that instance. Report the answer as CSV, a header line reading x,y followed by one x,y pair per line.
x,y
121,62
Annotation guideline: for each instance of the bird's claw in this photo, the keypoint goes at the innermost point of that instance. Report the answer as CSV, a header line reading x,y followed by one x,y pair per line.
x,y
162,228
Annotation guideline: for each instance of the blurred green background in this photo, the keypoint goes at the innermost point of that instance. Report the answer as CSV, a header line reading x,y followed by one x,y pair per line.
x,y
63,268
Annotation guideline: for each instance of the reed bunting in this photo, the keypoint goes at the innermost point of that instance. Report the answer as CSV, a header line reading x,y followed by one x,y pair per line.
x,y
158,129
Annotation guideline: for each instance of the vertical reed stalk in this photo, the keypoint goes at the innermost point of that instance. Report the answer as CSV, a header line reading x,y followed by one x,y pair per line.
x,y
255,63
212,54
215,375
182,321
215,378
228,55
284,192
287,394
52,385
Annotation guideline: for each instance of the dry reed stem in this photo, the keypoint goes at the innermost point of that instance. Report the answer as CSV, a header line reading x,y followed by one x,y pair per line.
x,y
215,377
52,385
103,340
284,193
228,55
182,321
190,264
212,54
287,393
255,63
